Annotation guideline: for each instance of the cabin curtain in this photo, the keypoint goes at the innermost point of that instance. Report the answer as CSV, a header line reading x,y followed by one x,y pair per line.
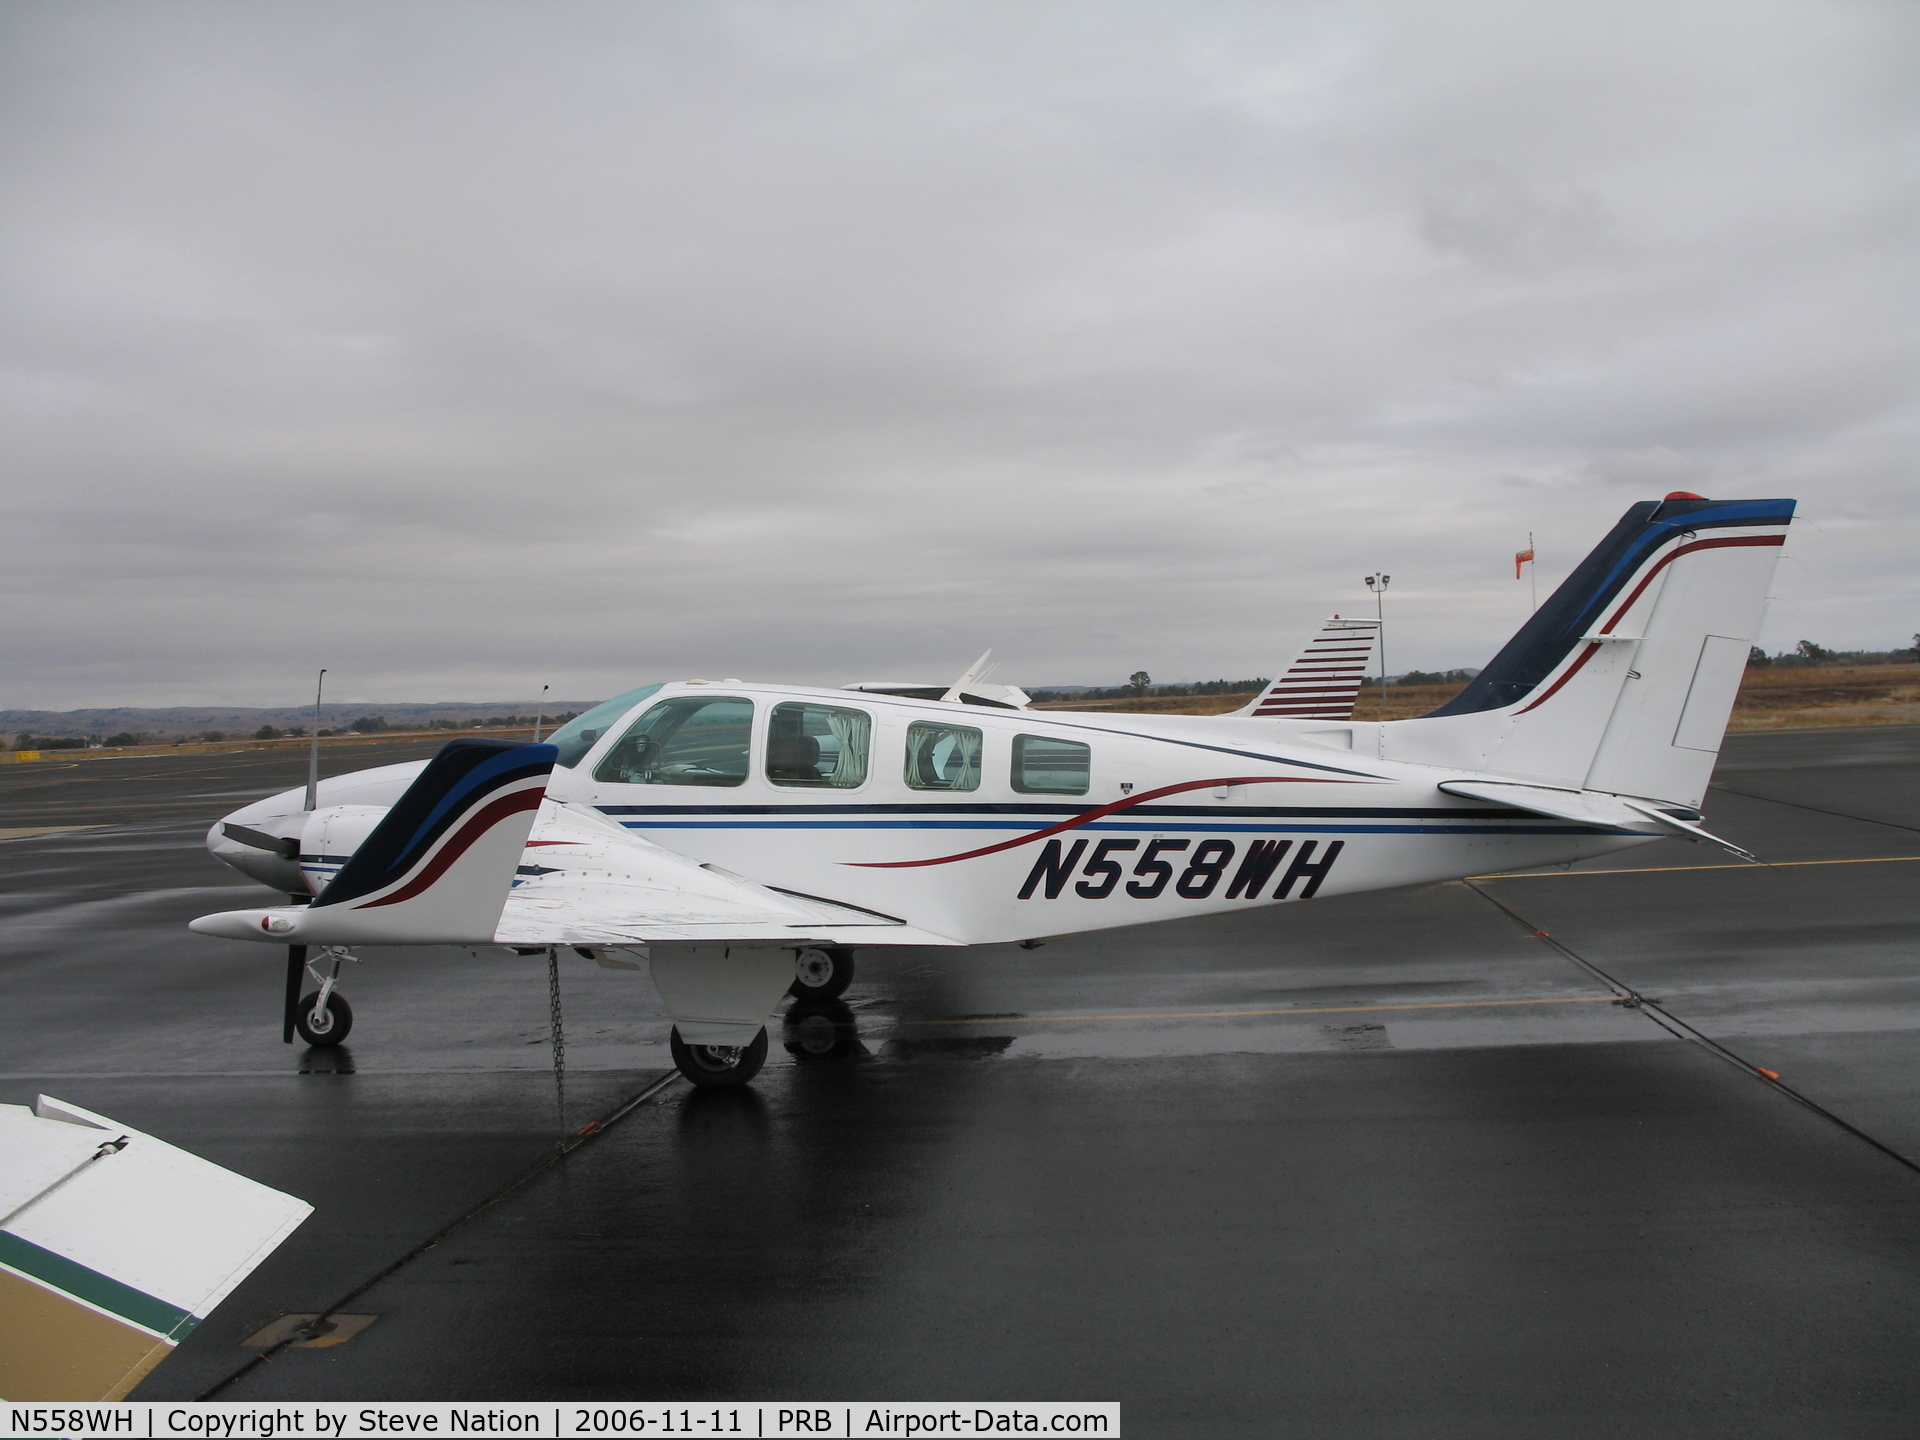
x,y
850,728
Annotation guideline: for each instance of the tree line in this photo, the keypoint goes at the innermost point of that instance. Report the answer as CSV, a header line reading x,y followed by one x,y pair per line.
x,y
1807,653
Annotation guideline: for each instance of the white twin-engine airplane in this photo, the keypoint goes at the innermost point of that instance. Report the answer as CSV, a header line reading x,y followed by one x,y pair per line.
x,y
744,839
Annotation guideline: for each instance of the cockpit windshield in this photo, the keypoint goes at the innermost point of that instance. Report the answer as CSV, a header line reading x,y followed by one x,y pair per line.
x,y
577,736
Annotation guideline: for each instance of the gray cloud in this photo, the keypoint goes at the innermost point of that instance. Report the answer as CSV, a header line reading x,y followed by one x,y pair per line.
x,y
464,348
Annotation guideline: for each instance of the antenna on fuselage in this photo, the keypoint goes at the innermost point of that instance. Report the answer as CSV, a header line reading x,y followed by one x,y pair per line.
x,y
972,677
313,748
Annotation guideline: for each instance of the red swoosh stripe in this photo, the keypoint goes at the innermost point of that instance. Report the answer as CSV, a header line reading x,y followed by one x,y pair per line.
x,y
1646,580
1095,814
481,822
1667,560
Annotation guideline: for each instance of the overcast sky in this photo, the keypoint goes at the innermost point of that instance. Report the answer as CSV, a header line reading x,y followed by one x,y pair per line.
x,y
463,348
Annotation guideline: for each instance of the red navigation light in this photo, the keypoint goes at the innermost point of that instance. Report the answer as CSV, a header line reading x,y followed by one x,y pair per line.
x,y
1685,495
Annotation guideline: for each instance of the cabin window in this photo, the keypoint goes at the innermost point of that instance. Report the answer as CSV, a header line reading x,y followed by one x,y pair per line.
x,y
1045,766
818,745
574,739
689,740
942,757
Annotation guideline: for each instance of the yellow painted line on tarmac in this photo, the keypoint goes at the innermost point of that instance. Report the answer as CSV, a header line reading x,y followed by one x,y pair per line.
x,y
1244,1014
1670,869
28,832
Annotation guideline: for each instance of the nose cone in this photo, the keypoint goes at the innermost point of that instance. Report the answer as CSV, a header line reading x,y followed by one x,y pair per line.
x,y
256,846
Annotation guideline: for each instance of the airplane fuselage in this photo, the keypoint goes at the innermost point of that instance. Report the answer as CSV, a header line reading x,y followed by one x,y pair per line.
x,y
987,824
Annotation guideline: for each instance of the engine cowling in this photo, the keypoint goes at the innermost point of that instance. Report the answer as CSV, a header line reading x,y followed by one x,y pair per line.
x,y
329,838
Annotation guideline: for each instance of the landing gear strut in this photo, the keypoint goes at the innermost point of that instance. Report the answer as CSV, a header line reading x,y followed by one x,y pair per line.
x,y
719,1064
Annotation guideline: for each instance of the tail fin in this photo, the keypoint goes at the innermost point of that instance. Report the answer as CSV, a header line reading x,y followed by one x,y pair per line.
x,y
1624,680
1324,681
436,870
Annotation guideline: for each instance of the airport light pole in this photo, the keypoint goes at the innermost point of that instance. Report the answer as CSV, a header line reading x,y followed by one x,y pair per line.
x,y
1377,583
541,719
313,749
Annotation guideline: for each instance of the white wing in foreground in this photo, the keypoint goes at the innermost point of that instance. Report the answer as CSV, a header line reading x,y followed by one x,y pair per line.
x,y
113,1246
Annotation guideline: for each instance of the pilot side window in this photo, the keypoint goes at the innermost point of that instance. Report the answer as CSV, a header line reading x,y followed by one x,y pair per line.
x,y
942,757
689,740
817,745
1045,766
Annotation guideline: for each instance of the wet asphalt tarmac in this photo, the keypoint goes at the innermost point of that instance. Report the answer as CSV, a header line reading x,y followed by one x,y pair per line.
x,y
1422,1178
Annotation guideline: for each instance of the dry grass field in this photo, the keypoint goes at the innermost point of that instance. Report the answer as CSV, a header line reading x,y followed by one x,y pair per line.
x,y
1771,697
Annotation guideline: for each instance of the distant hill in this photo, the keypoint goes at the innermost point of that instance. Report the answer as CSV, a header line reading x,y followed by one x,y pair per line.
x,y
169,721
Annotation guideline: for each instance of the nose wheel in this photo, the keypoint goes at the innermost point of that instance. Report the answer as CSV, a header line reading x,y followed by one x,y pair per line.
x,y
324,1022
319,1017
719,1064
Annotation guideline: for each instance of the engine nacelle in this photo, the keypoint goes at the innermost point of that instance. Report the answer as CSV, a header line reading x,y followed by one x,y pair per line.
x,y
265,840
329,838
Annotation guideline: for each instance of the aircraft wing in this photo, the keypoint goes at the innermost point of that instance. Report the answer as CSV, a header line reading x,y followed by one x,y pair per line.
x,y
1593,807
475,854
588,881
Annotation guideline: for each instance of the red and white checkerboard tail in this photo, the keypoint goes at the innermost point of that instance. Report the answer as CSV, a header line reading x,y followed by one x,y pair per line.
x,y
1324,681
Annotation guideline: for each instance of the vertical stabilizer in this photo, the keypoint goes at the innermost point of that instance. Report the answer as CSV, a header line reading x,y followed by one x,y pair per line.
x,y
1624,679
1324,680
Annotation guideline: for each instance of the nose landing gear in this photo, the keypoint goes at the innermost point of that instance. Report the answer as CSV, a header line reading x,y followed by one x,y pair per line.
x,y
321,1017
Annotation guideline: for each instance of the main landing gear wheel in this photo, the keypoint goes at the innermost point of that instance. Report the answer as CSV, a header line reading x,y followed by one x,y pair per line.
x,y
821,973
719,1064
324,1027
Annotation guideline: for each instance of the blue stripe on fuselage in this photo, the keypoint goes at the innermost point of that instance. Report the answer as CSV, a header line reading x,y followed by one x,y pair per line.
x,y
1202,827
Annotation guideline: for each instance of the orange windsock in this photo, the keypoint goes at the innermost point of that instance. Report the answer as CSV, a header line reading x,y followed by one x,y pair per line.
x,y
1522,558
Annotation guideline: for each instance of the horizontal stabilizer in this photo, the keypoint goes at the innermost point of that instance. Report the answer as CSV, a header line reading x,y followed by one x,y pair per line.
x,y
1591,807
1689,829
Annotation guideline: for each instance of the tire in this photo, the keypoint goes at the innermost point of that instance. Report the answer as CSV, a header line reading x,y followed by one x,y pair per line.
x,y
338,1021
713,1065
821,972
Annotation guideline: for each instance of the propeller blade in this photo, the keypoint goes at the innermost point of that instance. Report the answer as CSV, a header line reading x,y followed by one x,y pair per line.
x,y
285,846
